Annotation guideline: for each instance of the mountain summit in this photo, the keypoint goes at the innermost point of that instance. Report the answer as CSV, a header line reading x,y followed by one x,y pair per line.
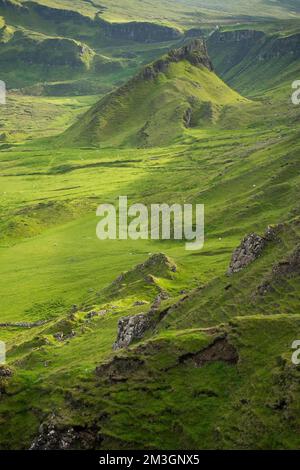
x,y
177,92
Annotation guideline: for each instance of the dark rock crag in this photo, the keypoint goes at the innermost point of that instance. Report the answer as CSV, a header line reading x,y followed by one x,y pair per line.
x,y
145,32
220,350
52,437
250,249
134,327
5,372
194,52
287,268
119,369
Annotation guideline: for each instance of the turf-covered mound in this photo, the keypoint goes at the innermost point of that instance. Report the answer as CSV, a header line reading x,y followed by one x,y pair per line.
x,y
177,92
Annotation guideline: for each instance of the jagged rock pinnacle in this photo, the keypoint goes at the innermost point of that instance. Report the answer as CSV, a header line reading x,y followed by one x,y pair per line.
x,y
195,52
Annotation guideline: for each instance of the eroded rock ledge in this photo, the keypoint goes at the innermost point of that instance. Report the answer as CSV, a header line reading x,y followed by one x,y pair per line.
x,y
134,327
220,350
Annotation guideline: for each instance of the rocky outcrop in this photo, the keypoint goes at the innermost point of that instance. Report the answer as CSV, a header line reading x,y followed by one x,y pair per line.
x,y
249,36
60,336
288,268
74,22
248,251
194,52
144,32
277,47
229,48
134,327
195,33
5,372
158,264
94,314
131,329
251,248
119,369
220,350
243,49
52,437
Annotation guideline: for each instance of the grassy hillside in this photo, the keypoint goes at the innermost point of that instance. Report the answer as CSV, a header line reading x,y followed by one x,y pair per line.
x,y
237,61
208,361
56,51
180,90
48,223
185,12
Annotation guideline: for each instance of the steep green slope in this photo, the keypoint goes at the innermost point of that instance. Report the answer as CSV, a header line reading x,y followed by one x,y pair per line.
x,y
256,63
43,45
176,92
209,359
61,263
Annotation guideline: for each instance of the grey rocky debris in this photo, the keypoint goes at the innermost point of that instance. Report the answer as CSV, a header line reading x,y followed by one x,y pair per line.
x,y
119,369
287,268
194,52
248,251
60,336
251,248
5,372
94,314
53,437
221,350
132,328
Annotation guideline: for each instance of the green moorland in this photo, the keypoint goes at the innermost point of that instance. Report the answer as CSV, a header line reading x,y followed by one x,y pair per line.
x,y
215,371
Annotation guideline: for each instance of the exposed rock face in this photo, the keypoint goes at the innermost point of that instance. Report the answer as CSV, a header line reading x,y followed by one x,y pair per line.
x,y
60,336
237,45
194,33
219,350
288,268
194,52
5,372
56,52
94,314
249,250
52,437
132,328
139,31
277,47
250,45
130,31
119,369
242,35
